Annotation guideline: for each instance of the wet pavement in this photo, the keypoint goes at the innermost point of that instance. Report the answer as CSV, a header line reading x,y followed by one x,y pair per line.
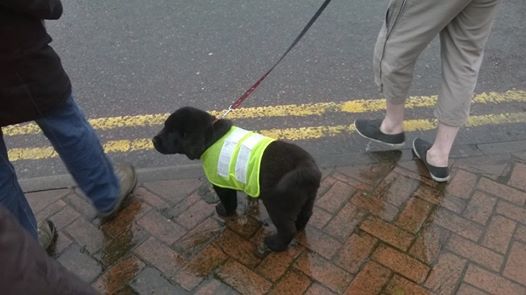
x,y
378,228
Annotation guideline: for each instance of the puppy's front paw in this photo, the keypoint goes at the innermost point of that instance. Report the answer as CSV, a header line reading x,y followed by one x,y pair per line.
x,y
221,211
275,244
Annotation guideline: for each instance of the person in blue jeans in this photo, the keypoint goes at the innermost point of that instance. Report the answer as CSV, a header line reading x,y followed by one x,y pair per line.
x,y
35,87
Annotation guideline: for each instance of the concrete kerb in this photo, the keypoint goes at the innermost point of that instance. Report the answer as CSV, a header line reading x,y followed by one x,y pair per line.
x,y
329,161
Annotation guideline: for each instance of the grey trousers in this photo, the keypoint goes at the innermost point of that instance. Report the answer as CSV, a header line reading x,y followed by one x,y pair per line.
x,y
410,25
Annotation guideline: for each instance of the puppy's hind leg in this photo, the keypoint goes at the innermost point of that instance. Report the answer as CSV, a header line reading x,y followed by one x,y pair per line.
x,y
286,229
305,213
228,205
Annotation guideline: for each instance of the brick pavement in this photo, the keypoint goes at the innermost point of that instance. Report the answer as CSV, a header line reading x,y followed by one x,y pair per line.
x,y
377,229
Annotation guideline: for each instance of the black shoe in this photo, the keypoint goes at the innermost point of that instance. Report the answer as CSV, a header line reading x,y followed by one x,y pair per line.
x,y
420,148
370,129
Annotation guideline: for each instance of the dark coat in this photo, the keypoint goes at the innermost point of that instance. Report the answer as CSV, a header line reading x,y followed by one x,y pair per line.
x,y
32,80
25,268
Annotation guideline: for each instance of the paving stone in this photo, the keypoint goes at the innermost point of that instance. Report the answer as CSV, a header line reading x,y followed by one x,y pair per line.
x,y
401,285
242,278
502,191
414,215
387,232
515,268
152,199
401,263
512,211
357,184
316,289
161,227
492,167
294,282
81,205
173,190
215,287
462,184
174,211
446,274
518,176
50,210
150,281
319,242
326,273
457,224
325,185
370,280
520,233
160,256
119,275
375,206
198,238
369,174
336,197
466,289
355,251
499,233
62,242
396,189
197,269
275,264
195,214
40,200
319,217
480,207
430,241
64,217
474,252
491,282
81,264
116,247
86,235
235,246
441,198
344,222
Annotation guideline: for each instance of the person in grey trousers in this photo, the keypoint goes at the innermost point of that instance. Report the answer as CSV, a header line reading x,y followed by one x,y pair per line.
x,y
410,25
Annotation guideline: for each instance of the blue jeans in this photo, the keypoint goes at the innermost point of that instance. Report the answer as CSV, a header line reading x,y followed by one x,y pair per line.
x,y
79,148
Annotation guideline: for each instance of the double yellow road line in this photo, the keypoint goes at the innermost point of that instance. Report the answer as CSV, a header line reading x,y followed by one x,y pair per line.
x,y
294,110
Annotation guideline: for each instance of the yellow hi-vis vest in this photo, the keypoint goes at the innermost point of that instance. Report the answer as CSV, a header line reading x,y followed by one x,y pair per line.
x,y
234,160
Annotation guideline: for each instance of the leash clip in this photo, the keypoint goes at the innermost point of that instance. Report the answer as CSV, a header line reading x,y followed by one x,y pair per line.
x,y
226,112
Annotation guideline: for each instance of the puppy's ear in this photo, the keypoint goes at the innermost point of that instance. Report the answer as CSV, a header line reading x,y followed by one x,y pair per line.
x,y
198,134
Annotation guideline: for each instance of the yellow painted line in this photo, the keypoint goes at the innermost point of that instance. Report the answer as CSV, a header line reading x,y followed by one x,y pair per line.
x,y
293,134
293,110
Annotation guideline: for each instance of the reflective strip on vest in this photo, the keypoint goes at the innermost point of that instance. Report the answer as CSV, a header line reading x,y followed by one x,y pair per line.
x,y
244,155
227,151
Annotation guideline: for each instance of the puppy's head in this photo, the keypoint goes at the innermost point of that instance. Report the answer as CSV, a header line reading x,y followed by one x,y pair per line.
x,y
187,131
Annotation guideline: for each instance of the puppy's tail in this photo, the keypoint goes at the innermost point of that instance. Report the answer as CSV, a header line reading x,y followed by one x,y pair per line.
x,y
306,176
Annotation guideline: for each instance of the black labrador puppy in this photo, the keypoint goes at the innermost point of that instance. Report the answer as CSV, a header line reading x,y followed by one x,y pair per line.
x,y
288,178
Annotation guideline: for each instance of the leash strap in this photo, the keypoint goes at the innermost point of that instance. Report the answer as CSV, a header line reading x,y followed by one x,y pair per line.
x,y
247,93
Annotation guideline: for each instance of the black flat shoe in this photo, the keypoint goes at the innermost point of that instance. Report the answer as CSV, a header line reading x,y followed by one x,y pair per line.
x,y
370,129
420,148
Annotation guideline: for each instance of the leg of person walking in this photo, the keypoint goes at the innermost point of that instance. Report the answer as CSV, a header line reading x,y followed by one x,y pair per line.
x,y
78,146
11,194
409,28
462,46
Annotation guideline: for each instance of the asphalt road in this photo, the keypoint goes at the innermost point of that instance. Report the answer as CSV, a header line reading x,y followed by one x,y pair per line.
x,y
148,57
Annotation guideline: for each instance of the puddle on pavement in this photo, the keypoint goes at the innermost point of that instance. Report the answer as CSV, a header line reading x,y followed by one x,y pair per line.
x,y
120,236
